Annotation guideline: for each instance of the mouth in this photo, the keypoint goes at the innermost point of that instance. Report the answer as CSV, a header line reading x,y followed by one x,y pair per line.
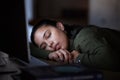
x,y
57,46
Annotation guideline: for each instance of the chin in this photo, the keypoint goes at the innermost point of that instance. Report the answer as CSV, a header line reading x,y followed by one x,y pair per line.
x,y
64,47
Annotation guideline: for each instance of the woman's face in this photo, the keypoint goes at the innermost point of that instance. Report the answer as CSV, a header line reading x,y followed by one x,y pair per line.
x,y
51,38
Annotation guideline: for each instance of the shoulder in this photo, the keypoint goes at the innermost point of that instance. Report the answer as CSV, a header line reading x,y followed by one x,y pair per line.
x,y
87,34
87,31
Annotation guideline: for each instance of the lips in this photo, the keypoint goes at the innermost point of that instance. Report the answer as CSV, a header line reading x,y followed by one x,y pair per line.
x,y
57,46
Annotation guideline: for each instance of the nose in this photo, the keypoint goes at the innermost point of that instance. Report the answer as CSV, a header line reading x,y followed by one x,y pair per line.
x,y
49,43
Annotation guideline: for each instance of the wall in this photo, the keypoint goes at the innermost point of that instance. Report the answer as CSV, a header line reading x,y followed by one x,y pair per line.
x,y
53,8
29,16
68,11
105,13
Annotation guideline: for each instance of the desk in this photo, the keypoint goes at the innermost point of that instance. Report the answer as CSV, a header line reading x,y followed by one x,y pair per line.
x,y
17,73
61,72
7,71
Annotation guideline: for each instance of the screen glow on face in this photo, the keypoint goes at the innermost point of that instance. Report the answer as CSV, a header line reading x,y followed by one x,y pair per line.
x,y
51,38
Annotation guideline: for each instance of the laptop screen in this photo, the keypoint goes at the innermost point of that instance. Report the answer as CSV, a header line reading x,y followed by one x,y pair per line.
x,y
13,29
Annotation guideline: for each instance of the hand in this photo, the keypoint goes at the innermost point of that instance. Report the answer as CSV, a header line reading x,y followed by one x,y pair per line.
x,y
75,54
61,55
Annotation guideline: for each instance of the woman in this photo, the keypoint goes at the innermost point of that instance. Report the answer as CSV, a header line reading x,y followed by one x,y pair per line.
x,y
91,46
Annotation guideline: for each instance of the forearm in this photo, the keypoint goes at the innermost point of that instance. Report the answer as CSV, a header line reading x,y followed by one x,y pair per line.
x,y
103,61
39,53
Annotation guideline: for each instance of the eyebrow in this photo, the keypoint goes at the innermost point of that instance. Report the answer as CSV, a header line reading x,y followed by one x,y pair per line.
x,y
43,37
45,33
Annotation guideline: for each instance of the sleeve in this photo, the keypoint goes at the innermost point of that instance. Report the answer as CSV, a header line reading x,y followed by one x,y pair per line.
x,y
39,53
95,51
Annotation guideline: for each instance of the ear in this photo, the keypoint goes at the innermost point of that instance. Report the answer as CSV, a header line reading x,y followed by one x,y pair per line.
x,y
60,26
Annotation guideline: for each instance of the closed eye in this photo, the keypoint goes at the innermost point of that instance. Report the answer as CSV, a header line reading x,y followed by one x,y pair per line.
x,y
47,34
43,46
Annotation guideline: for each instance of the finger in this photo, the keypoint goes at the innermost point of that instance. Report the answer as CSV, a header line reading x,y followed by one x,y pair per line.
x,y
75,54
56,57
61,56
70,57
66,55
53,56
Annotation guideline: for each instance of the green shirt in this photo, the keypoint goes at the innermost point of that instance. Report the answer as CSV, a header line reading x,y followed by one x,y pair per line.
x,y
98,47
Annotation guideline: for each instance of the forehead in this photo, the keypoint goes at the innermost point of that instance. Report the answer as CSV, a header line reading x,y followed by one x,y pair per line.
x,y
40,32
38,36
43,28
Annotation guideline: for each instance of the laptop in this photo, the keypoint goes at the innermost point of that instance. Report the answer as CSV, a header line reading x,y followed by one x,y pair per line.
x,y
13,32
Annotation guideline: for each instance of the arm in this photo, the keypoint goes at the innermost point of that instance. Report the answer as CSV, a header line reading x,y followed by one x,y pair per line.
x,y
39,53
61,55
95,50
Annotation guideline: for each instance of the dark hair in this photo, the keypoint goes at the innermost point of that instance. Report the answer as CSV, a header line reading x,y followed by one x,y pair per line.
x,y
68,28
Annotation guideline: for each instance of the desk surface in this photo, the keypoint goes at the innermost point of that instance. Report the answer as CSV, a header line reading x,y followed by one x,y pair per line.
x,y
108,75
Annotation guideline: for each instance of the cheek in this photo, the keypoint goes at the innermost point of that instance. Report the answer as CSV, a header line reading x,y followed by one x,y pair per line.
x,y
49,49
64,40
59,36
55,36
37,39
65,43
